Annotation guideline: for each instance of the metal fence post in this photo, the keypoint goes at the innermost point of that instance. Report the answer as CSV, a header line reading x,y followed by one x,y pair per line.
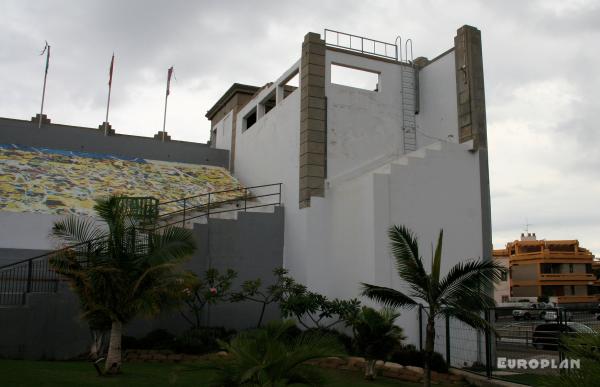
x,y
208,208
420,327
184,205
448,340
488,347
29,274
245,199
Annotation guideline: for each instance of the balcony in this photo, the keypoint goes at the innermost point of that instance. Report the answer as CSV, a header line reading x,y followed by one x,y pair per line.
x,y
568,277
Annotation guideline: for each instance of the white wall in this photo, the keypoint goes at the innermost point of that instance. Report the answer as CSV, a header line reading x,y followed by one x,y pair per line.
x,y
223,128
341,240
363,126
438,116
27,230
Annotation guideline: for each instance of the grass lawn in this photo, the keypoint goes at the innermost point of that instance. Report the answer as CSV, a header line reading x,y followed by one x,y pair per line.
x,y
23,373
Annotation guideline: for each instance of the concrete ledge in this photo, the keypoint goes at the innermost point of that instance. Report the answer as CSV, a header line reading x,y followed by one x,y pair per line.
x,y
482,381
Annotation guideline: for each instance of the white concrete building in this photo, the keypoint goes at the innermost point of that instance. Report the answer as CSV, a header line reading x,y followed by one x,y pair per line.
x,y
368,140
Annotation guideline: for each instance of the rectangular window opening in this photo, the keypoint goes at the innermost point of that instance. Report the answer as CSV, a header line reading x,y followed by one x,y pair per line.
x,y
353,77
249,120
269,102
290,84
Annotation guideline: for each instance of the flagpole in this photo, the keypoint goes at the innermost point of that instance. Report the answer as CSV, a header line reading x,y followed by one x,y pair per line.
x,y
107,107
165,117
112,61
169,74
44,88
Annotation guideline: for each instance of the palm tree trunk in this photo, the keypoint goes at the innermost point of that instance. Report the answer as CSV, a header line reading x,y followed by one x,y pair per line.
x,y
113,359
98,347
370,369
429,345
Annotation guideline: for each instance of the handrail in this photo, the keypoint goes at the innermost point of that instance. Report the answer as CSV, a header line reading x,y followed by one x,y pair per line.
x,y
35,275
362,48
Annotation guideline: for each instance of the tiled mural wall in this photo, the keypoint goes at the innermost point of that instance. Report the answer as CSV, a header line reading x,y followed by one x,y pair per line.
x,y
65,182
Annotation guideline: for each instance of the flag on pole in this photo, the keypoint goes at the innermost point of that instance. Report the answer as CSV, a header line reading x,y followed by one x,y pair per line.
x,y
47,51
110,72
169,74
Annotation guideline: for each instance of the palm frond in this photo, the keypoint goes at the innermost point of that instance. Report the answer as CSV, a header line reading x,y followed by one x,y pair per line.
x,y
473,274
172,244
73,229
472,319
437,260
405,249
387,296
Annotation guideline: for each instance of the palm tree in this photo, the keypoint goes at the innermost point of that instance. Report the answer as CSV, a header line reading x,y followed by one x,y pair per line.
x,y
119,270
462,293
375,335
269,357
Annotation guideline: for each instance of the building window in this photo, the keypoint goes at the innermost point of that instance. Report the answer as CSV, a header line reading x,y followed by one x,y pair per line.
x,y
353,77
570,267
249,120
268,103
505,299
504,276
290,84
572,290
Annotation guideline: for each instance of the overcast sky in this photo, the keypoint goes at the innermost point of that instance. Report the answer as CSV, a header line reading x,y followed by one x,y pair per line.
x,y
541,64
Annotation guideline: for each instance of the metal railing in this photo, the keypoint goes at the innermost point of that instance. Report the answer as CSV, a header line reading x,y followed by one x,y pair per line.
x,y
361,44
35,275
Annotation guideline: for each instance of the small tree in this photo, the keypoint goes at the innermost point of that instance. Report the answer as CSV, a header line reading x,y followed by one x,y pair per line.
x,y
252,290
210,290
461,294
314,310
124,272
375,335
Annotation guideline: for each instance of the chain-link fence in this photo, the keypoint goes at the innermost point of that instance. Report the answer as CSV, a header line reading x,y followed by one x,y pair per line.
x,y
523,342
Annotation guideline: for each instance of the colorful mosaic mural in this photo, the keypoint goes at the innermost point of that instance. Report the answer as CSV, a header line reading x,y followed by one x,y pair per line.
x,y
65,182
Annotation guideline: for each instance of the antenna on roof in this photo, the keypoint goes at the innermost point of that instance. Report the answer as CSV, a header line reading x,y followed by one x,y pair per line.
x,y
527,224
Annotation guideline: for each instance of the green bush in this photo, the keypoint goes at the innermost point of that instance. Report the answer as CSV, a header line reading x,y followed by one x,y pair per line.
x,y
156,339
197,341
346,341
409,355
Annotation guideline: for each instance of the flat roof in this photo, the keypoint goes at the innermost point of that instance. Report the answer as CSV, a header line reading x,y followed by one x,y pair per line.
x,y
233,90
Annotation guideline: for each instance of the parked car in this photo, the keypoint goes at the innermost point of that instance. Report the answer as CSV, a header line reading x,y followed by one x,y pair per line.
x,y
552,315
547,336
534,312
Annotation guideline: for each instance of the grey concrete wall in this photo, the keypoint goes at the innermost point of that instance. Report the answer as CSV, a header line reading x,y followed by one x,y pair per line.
x,y
8,256
76,138
49,325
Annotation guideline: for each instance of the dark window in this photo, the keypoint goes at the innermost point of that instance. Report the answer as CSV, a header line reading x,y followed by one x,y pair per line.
x,y
250,120
570,267
504,276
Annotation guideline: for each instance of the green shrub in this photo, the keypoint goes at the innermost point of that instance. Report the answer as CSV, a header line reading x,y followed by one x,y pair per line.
x,y
156,339
410,355
344,339
197,341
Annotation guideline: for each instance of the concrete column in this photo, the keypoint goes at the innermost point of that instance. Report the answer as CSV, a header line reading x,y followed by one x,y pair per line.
x,y
469,87
313,121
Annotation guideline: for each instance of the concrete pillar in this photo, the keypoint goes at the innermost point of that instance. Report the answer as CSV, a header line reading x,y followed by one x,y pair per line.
x,y
469,87
109,130
313,120
45,119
